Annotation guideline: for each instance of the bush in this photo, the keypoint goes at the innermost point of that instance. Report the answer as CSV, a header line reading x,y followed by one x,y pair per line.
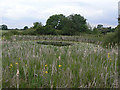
x,y
8,34
28,32
112,38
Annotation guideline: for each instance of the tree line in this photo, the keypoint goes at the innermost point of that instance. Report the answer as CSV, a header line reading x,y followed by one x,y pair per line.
x,y
59,24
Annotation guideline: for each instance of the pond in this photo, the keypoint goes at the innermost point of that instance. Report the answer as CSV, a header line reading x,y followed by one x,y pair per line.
x,y
55,43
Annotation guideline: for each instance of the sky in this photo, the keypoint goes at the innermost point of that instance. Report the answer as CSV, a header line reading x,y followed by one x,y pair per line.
x,y
20,13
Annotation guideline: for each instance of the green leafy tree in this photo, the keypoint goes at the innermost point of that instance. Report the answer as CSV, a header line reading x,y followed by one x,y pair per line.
x,y
70,25
56,21
49,30
26,27
4,27
95,30
40,30
45,30
68,28
79,23
99,26
36,24
112,38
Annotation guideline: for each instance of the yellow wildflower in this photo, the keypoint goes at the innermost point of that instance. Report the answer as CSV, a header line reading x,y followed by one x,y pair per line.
x,y
60,65
26,65
46,72
45,65
108,55
16,63
11,65
110,59
19,58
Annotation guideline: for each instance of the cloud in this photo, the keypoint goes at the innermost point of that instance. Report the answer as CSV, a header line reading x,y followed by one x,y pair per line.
x,y
19,12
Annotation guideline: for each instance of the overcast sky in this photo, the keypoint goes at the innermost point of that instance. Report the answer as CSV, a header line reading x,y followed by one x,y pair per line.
x,y
18,13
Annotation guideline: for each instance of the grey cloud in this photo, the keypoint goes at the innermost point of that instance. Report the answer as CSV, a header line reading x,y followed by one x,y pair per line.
x,y
19,12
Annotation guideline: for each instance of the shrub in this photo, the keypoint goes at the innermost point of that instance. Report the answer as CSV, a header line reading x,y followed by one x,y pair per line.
x,y
8,34
28,32
112,38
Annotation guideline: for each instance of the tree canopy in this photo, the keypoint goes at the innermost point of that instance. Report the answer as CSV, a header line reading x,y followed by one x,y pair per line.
x,y
26,27
4,27
56,21
72,24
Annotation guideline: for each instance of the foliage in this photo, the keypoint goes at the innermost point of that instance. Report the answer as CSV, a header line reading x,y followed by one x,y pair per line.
x,y
45,30
28,32
8,34
4,27
99,26
68,27
26,27
45,66
104,30
112,38
58,24
95,31
71,25
79,23
56,21
36,24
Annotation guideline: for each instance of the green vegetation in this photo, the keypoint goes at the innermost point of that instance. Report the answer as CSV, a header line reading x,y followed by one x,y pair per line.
x,y
4,27
26,27
112,38
66,52
79,65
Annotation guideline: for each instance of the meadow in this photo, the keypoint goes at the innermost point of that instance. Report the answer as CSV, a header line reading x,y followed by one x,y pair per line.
x,y
27,64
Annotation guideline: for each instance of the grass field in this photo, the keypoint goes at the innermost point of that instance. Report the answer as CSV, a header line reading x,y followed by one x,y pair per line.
x,y
27,64
5,31
2,31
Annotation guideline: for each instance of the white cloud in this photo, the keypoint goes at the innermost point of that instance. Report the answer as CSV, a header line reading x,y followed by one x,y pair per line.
x,y
20,11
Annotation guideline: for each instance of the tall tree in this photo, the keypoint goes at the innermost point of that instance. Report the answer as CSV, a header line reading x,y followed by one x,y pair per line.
x,y
73,24
56,21
99,26
36,24
79,22
26,27
4,27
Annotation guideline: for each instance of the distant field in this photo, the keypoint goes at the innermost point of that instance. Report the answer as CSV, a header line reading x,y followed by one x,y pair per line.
x,y
7,30
3,31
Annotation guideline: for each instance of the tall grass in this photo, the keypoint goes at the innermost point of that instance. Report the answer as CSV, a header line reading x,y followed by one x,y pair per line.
x,y
0,60
81,65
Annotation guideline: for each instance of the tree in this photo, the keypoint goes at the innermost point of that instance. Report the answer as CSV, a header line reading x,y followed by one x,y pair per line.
x,y
49,30
36,24
26,27
99,26
40,30
16,29
79,23
70,25
68,28
4,27
89,26
95,30
56,21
